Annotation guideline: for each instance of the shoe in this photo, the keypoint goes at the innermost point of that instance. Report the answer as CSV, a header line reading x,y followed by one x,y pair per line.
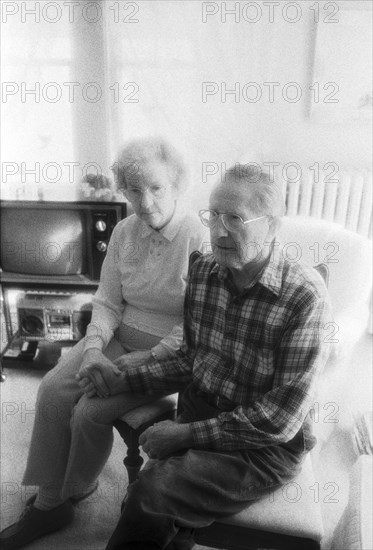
x,y
73,500
34,524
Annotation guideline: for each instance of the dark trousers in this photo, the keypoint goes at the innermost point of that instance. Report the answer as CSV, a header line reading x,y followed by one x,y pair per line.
x,y
196,487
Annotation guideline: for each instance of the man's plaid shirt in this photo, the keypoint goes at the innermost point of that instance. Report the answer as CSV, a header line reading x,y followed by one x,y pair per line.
x,y
262,351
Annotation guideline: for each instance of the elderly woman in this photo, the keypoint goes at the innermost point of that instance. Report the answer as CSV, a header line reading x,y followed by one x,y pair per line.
x,y
137,315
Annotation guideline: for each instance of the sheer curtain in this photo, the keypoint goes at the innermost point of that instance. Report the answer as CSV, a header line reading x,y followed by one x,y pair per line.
x,y
54,98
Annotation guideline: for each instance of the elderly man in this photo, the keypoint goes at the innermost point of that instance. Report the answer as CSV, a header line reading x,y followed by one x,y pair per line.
x,y
254,346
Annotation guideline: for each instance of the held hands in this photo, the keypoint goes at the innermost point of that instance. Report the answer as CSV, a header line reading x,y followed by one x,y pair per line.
x,y
164,438
133,359
99,376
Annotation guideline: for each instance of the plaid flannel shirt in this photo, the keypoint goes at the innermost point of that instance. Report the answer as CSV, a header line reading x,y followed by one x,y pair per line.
x,y
262,351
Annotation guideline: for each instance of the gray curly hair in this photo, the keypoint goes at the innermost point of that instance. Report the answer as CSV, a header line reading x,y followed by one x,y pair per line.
x,y
135,154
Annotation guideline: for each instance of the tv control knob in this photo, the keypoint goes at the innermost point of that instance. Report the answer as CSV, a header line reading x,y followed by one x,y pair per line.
x,y
101,246
101,225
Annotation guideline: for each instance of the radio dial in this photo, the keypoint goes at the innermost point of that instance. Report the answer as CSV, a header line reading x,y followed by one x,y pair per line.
x,y
101,225
101,246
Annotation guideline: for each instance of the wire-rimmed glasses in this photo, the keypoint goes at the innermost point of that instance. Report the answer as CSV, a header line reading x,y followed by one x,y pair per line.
x,y
232,222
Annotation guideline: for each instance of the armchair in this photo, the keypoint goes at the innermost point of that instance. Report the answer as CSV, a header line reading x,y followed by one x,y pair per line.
x,y
348,257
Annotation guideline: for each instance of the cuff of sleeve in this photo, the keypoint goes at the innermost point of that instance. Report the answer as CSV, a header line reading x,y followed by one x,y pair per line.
x,y
135,378
93,343
160,352
95,337
206,433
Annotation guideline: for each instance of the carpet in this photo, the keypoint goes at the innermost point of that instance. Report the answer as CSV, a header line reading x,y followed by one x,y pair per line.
x,y
95,517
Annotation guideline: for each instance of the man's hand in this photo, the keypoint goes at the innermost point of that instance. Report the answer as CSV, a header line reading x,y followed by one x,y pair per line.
x,y
98,375
164,438
133,359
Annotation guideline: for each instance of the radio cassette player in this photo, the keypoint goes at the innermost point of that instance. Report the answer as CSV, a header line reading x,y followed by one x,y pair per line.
x,y
53,315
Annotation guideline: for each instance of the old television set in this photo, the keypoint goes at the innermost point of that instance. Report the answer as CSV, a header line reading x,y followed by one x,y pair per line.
x,y
51,259
65,241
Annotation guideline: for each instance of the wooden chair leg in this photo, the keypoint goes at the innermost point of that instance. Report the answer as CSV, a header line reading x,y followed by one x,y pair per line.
x,y
133,460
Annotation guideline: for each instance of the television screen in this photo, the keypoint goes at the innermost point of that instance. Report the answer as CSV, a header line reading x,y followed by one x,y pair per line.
x,y
43,242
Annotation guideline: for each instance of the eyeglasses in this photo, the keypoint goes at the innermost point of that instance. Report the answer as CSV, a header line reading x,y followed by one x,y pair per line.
x,y
231,222
135,194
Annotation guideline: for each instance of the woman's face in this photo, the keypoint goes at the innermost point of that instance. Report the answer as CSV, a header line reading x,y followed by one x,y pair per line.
x,y
152,194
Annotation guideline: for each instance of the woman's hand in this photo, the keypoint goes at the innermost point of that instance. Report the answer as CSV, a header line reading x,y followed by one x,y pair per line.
x,y
98,375
133,359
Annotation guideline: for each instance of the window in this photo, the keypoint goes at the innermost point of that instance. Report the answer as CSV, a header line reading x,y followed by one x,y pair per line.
x,y
37,117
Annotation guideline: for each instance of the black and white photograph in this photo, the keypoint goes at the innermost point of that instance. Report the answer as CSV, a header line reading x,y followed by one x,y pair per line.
x,y
186,275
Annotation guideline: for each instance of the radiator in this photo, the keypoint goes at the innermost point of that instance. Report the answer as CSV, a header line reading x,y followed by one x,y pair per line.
x,y
345,198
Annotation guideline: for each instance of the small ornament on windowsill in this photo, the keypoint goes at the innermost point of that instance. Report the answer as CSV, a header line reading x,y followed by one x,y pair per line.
x,y
94,187
40,192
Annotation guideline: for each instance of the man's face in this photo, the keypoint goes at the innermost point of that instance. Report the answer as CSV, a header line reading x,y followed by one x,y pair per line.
x,y
248,245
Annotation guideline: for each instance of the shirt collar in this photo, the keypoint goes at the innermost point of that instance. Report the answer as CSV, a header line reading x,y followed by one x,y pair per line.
x,y
270,276
169,231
